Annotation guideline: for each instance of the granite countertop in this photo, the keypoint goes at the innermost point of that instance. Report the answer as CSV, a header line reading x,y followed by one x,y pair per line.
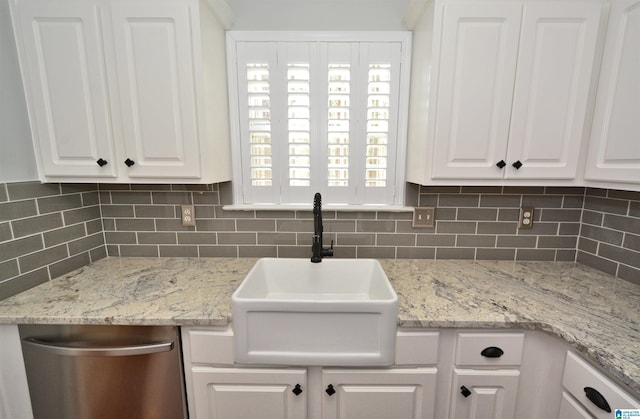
x,y
594,312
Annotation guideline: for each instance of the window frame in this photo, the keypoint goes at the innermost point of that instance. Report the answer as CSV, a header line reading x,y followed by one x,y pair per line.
x,y
401,123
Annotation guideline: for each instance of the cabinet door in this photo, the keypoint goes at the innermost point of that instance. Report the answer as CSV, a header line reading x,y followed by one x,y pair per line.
x,y
379,394
492,394
578,377
478,53
614,152
155,50
553,82
248,393
571,409
63,66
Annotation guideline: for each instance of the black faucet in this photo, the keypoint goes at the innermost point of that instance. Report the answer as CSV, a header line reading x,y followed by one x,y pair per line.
x,y
316,247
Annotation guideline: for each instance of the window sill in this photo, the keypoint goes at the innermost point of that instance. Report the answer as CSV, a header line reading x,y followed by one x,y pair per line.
x,y
328,207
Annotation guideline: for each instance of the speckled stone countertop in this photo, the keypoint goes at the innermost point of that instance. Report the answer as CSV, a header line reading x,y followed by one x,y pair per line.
x,y
597,314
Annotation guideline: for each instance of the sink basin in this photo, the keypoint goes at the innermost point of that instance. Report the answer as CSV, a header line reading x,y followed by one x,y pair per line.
x,y
294,312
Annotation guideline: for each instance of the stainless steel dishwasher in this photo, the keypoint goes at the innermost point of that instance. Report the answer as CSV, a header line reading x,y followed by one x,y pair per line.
x,y
104,372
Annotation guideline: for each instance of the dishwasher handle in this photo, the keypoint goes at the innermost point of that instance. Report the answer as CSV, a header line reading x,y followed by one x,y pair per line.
x,y
91,349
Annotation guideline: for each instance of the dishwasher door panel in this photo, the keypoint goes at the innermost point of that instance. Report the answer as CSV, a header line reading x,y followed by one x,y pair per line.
x,y
104,372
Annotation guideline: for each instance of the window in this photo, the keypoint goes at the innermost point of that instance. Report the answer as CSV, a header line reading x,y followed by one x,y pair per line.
x,y
314,112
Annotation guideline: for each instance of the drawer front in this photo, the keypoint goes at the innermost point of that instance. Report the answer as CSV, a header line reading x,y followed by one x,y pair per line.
x,y
578,375
211,346
571,409
489,349
417,348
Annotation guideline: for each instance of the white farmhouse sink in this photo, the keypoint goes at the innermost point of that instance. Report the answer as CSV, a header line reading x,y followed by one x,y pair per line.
x,y
294,312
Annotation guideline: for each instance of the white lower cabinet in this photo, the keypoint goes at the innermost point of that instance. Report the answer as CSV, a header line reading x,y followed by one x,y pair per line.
x,y
571,409
486,375
590,391
442,373
483,394
379,394
281,393
249,393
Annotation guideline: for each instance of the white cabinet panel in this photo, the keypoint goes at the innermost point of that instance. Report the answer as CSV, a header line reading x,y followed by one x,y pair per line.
x,y
478,55
470,348
62,60
154,55
571,409
579,377
614,152
379,394
492,394
512,88
228,393
109,81
555,63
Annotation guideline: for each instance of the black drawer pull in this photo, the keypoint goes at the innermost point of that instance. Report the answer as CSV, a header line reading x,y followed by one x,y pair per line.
x,y
518,164
492,352
330,391
465,391
129,162
597,399
101,162
501,164
297,390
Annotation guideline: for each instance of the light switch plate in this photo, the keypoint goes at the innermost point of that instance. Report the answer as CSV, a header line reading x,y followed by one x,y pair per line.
x,y
424,217
188,216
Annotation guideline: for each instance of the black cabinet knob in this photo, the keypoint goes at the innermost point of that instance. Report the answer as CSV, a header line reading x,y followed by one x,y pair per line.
x,y
465,391
501,164
101,162
517,164
492,352
297,390
129,162
330,391
597,399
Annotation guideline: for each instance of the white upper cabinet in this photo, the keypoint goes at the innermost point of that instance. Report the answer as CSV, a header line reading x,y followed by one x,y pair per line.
x,y
155,68
550,103
614,151
63,68
116,91
478,53
510,90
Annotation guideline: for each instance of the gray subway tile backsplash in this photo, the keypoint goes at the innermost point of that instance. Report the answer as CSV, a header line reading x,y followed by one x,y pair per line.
x,y
611,206
74,262
59,203
18,247
5,232
81,223
18,209
631,241
9,269
25,190
46,230
623,223
628,273
64,234
37,224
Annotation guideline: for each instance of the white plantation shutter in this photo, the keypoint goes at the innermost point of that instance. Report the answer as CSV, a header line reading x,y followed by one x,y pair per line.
x,y
318,116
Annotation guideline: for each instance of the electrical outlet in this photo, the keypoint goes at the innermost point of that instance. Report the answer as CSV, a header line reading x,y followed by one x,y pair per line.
x,y
526,217
423,217
188,216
